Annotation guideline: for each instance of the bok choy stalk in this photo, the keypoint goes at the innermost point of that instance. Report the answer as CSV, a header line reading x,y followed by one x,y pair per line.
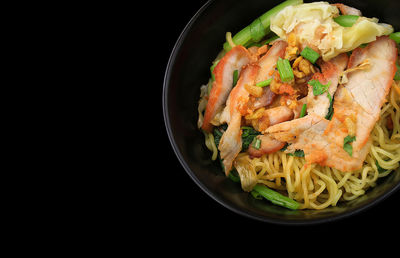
x,y
259,27
275,197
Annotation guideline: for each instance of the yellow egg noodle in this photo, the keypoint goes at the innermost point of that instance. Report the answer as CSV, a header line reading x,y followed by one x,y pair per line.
x,y
312,26
317,187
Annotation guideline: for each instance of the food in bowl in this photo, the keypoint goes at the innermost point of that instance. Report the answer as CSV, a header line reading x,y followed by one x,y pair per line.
x,y
303,105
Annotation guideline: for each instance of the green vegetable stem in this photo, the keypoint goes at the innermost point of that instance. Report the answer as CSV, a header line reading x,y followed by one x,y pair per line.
x,y
309,54
285,70
275,197
259,27
346,20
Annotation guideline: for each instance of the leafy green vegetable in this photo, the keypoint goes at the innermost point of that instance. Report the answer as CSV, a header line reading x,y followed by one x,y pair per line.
x,y
330,110
380,169
346,144
284,147
218,131
297,153
274,197
248,135
234,175
309,54
318,87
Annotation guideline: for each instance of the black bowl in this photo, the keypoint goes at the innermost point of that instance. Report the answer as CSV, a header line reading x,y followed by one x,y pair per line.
x,y
188,69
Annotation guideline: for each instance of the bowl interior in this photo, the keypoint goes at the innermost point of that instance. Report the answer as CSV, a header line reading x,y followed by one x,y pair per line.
x,y
188,69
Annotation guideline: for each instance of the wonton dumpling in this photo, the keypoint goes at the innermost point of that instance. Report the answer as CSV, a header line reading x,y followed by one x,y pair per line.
x,y
314,26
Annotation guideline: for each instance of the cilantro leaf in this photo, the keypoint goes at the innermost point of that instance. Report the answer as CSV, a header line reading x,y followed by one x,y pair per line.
x,y
318,87
346,144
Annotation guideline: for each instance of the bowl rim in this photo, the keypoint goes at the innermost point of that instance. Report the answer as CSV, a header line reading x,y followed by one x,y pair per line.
x,y
237,210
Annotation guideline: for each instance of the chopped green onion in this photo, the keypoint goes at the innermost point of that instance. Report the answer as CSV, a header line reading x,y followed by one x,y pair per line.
x,y
271,39
285,70
235,77
275,197
346,144
264,83
309,54
318,87
346,20
303,110
256,143
395,36
363,45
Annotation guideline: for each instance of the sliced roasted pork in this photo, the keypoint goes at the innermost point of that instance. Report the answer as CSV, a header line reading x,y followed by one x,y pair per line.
x,y
231,142
330,73
369,87
356,106
235,59
267,63
271,116
268,145
266,99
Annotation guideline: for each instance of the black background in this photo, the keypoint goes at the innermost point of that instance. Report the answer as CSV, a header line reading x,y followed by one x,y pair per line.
x,y
183,207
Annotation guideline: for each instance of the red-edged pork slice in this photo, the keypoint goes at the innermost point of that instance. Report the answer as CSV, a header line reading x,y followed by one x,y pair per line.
x,y
235,59
273,116
331,71
268,145
267,63
369,87
231,141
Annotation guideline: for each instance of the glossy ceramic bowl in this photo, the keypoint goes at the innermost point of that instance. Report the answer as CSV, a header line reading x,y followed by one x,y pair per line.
x,y
188,68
